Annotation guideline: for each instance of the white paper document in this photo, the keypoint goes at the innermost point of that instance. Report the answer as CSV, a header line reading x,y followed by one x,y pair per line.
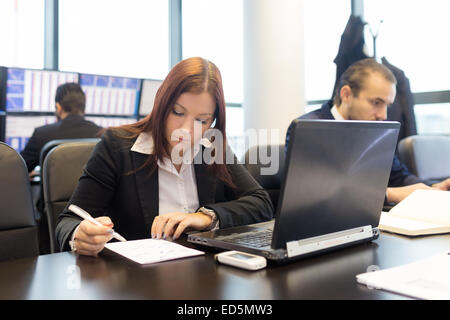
x,y
148,251
425,279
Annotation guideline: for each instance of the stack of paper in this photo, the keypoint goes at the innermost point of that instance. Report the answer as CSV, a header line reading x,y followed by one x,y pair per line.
x,y
148,251
424,279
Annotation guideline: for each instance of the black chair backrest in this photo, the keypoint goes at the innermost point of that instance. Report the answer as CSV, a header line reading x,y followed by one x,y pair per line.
x,y
45,246
51,144
267,169
62,168
427,156
18,230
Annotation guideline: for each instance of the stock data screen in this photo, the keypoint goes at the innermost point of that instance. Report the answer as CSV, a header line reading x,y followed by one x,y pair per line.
x,y
109,95
34,90
106,122
20,128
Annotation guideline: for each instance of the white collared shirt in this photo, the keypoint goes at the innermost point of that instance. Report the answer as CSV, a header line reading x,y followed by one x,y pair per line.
x,y
336,114
177,190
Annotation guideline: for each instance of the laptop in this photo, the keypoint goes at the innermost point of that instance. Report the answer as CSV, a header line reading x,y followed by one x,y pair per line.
x,y
332,192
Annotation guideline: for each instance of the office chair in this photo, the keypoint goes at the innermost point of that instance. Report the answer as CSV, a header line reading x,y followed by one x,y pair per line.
x,y
62,168
18,230
256,164
51,144
44,240
426,156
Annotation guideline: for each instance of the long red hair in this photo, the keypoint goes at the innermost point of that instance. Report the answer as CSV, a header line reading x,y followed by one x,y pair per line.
x,y
194,75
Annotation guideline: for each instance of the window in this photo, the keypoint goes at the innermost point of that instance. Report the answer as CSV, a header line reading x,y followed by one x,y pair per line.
x,y
218,37
413,38
111,37
433,118
213,29
235,130
22,33
325,21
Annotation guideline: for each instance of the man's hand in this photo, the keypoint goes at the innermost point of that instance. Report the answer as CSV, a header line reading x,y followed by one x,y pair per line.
x,y
399,193
443,185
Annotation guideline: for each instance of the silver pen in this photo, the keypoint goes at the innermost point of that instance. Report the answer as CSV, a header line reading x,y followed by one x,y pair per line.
x,y
86,216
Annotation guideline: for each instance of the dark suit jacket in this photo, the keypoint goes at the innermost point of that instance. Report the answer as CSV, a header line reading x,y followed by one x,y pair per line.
x,y
131,200
400,175
71,127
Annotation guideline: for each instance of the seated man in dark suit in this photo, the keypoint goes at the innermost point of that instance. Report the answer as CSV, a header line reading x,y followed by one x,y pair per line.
x,y
364,92
70,104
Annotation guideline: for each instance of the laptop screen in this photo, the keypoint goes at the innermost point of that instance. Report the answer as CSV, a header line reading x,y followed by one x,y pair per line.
x,y
336,176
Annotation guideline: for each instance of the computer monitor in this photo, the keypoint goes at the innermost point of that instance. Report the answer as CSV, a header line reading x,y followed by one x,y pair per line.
x,y
148,93
3,73
20,128
109,95
34,90
106,122
2,125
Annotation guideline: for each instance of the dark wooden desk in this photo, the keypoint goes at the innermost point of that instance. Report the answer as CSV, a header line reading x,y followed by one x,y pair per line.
x,y
330,276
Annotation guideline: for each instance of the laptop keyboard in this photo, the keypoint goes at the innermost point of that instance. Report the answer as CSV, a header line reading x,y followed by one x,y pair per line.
x,y
255,239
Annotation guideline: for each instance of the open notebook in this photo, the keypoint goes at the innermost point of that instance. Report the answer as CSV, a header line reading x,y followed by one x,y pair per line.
x,y
422,212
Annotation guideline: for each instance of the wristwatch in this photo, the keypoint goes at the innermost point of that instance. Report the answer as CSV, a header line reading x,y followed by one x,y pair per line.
x,y
73,246
72,243
213,215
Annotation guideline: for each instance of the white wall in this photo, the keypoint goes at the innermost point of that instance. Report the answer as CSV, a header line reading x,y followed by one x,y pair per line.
x,y
273,64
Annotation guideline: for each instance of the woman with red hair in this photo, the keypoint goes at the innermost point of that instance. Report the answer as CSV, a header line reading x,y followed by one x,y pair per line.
x,y
150,178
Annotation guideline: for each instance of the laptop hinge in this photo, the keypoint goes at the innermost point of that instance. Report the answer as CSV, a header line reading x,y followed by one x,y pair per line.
x,y
298,247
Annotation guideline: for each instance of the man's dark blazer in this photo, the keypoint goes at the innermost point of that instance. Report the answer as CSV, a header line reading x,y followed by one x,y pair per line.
x,y
109,187
71,127
400,175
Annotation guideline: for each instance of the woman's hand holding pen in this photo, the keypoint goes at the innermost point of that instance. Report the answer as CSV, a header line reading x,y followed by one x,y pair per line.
x,y
173,224
90,239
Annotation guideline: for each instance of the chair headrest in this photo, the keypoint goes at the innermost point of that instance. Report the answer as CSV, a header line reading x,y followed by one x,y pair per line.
x,y
426,156
15,196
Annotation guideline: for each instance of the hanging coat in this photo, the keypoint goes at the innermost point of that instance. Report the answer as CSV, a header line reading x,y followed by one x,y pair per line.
x,y
351,47
402,110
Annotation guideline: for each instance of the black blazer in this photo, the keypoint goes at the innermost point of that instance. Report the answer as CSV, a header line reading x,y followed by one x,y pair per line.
x,y
71,127
131,200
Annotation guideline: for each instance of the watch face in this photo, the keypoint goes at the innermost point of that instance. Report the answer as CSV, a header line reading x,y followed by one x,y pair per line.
x,y
209,212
